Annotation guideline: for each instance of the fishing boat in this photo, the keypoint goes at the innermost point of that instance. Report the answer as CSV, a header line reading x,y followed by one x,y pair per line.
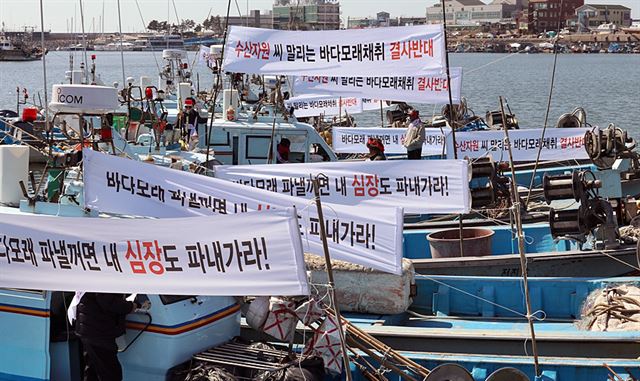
x,y
11,50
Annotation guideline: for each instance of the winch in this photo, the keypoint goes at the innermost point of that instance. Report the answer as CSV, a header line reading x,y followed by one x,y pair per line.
x,y
487,184
594,217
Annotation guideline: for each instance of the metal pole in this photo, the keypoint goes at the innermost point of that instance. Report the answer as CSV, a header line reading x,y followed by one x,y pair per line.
x,y
381,115
515,201
220,72
332,292
84,41
121,51
44,70
446,57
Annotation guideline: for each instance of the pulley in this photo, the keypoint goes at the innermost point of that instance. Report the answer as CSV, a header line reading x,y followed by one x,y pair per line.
x,y
449,372
508,374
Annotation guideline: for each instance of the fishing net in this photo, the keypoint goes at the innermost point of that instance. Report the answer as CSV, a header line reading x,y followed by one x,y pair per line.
x,y
615,308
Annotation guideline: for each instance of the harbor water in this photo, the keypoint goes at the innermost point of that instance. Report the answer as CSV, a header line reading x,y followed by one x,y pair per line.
x,y
606,85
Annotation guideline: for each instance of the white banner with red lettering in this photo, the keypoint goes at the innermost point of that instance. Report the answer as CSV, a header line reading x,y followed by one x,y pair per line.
x,y
231,255
417,186
402,50
354,140
558,144
371,237
314,105
428,88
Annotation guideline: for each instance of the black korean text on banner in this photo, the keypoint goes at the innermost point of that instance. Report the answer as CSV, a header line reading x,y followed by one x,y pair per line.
x,y
418,186
117,185
314,105
233,255
557,144
354,140
407,50
425,88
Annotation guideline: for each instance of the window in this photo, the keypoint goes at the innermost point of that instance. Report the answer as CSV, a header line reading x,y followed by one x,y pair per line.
x,y
170,299
257,147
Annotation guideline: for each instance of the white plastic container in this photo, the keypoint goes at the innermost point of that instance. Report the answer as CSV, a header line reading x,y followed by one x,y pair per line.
x,y
14,167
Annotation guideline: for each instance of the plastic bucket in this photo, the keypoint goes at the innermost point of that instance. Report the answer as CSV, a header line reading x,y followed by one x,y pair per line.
x,y
476,242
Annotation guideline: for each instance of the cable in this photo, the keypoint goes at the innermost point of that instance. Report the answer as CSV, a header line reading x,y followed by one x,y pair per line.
x,y
139,333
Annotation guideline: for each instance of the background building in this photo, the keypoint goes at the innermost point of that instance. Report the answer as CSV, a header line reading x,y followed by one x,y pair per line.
x,y
306,14
474,12
255,19
590,16
547,15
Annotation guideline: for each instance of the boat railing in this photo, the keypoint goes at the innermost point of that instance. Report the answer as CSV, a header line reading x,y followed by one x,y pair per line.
x,y
18,135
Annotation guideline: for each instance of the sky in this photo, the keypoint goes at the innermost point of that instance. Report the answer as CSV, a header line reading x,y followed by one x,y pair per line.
x,y
58,13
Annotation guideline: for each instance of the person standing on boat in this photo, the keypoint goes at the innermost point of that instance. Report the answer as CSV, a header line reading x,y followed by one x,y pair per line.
x,y
415,136
283,150
100,318
189,121
376,150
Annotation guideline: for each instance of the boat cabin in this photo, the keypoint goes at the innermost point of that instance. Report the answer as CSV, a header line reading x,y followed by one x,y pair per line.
x,y
250,142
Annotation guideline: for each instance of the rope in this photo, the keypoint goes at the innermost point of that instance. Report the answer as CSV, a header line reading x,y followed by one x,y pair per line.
x,y
614,307
533,315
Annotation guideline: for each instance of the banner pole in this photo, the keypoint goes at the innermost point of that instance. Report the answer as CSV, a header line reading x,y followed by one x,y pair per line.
x,y
332,290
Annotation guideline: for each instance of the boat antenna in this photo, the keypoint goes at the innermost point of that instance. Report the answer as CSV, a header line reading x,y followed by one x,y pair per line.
x,y
84,41
217,85
546,115
446,60
44,70
515,204
124,80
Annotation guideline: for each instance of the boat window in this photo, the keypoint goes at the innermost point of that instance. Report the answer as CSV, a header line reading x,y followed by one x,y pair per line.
x,y
170,299
257,147
35,292
318,153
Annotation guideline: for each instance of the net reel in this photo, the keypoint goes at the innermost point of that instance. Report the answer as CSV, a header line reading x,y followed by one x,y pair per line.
x,y
593,217
487,185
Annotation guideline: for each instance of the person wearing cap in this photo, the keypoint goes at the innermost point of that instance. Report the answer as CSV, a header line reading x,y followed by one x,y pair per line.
x,y
376,150
282,151
190,120
415,136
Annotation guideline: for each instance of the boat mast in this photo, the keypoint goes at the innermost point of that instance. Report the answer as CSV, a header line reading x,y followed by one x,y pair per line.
x,y
84,41
44,71
124,80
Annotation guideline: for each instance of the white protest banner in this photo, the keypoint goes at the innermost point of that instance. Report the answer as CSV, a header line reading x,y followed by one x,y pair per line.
x,y
220,255
373,104
427,88
371,238
314,105
354,140
558,144
204,56
418,186
402,50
